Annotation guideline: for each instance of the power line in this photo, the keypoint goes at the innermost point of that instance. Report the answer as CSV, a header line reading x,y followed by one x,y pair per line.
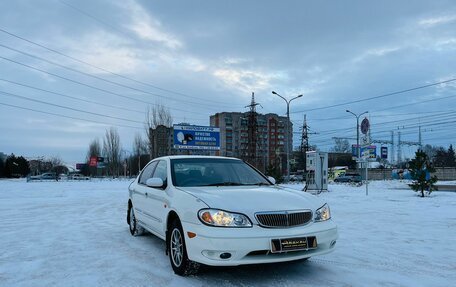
x,y
81,99
83,84
378,97
66,107
69,117
93,76
105,70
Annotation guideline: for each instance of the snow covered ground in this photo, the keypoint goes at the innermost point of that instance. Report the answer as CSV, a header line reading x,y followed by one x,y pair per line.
x,y
75,234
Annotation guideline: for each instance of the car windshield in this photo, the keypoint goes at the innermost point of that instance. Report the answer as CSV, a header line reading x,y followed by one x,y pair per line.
x,y
214,172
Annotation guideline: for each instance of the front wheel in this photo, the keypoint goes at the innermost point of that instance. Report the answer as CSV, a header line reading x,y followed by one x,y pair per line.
x,y
135,228
178,252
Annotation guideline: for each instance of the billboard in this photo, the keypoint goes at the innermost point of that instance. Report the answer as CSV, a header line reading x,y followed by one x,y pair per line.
x,y
365,151
196,137
384,152
93,161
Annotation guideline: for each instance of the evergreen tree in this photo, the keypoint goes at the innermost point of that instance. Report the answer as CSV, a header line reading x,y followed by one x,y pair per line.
x,y
421,169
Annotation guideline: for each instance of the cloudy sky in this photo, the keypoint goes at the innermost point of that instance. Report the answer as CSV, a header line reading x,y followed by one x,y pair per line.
x,y
71,69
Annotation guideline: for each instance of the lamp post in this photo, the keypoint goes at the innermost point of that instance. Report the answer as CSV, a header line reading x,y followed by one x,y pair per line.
x,y
357,132
287,150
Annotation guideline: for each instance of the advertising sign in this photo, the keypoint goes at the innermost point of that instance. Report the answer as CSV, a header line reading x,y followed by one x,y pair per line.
x,y
93,161
384,152
80,165
196,137
366,151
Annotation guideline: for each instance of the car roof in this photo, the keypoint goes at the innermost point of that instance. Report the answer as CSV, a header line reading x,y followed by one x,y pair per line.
x,y
194,156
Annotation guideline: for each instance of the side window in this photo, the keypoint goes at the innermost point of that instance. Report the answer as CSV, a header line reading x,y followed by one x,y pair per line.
x,y
147,172
161,171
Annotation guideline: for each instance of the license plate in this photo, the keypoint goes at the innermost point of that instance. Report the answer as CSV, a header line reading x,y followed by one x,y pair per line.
x,y
293,244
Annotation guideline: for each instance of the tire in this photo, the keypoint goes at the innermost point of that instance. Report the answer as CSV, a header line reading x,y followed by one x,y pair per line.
x,y
135,228
178,252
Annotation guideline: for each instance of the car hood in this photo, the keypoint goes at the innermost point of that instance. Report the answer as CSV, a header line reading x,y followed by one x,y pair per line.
x,y
251,199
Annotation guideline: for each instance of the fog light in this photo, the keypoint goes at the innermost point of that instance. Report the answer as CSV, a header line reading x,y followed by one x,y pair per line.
x,y
225,255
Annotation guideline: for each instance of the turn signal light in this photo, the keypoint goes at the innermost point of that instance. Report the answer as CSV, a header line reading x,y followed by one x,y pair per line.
x,y
191,234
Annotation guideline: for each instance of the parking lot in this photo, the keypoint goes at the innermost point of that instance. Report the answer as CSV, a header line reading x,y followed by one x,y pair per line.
x,y
75,234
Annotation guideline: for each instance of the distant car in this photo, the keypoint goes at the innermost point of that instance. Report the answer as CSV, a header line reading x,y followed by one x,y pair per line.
x,y
44,176
349,177
78,176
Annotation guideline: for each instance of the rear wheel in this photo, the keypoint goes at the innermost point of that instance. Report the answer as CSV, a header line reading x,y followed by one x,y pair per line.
x,y
135,228
178,252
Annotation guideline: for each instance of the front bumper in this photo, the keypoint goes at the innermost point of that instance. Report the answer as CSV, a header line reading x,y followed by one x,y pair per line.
x,y
251,245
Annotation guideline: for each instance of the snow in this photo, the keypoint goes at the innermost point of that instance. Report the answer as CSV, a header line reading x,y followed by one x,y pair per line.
x,y
75,234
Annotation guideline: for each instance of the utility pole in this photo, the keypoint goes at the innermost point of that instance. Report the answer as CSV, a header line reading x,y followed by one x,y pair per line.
x,y
358,150
304,148
399,149
250,148
288,137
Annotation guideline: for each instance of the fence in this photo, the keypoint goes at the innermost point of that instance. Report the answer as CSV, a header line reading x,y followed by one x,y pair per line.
x,y
442,173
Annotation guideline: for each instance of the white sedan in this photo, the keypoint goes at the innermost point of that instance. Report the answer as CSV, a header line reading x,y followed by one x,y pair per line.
x,y
222,212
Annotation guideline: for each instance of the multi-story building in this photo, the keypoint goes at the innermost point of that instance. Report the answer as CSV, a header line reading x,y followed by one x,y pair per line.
x,y
271,137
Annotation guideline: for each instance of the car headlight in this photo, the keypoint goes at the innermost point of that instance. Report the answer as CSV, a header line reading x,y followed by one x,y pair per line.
x,y
323,213
221,218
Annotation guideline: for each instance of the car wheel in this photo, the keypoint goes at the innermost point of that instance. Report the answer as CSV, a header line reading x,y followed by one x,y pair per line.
x,y
135,228
178,252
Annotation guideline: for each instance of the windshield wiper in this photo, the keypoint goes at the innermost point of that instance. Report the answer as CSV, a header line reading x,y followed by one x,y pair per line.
x,y
260,183
226,183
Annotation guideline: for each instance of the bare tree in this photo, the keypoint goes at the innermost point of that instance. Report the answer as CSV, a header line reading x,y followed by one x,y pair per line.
x,y
112,150
342,146
94,149
139,148
156,115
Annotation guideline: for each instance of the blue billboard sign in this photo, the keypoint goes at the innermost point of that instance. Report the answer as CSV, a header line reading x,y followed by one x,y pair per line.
x,y
196,137
365,151
384,152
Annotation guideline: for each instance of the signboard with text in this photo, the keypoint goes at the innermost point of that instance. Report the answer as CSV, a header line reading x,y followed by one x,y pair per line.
x,y
365,151
196,137
384,152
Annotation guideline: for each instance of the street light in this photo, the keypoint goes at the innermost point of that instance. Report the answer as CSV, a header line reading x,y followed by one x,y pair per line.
x,y
288,132
357,132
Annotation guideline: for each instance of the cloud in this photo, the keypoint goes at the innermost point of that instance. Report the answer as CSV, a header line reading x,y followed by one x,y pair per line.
x,y
147,28
434,21
247,80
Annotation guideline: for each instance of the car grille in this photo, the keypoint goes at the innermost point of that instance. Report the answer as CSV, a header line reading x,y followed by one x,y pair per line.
x,y
284,218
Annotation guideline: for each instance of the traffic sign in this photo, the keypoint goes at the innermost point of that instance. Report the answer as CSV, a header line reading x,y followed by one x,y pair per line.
x,y
365,125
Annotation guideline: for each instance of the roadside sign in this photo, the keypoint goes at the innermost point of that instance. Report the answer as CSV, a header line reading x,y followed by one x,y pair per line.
x,y
365,125
366,151
384,152
196,137
93,161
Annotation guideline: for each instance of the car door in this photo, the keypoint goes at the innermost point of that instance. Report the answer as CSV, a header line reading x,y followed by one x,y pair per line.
x,y
139,195
156,199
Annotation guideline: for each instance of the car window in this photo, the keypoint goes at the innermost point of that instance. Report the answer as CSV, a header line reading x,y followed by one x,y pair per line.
x,y
214,172
147,172
160,171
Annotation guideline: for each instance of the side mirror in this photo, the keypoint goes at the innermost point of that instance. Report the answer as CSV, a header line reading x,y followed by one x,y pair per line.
x,y
154,182
271,179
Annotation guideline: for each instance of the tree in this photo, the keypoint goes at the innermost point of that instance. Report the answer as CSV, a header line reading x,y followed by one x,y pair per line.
x,y
2,168
430,150
421,169
16,166
451,159
139,149
341,145
111,151
94,150
441,157
156,115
